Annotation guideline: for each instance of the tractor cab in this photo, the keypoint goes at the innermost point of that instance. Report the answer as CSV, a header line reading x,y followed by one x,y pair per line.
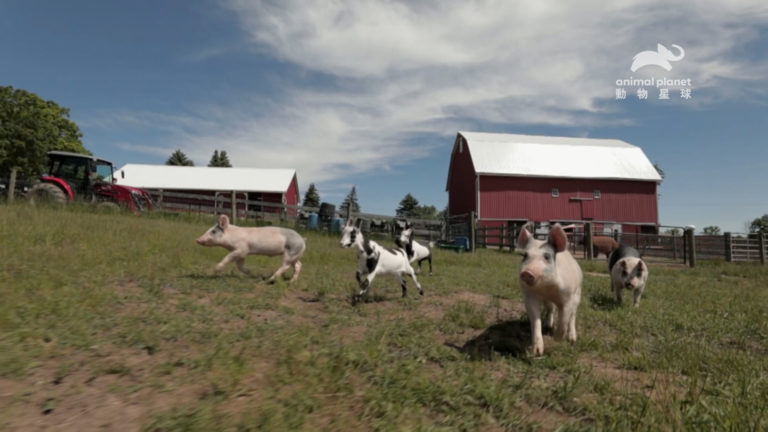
x,y
71,176
80,172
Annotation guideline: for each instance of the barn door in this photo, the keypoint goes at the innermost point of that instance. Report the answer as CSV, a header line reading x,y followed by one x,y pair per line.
x,y
587,209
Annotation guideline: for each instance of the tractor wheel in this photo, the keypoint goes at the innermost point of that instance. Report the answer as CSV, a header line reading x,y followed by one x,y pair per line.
x,y
108,207
46,193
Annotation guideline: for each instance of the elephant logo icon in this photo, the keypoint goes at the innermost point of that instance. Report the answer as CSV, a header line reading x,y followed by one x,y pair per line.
x,y
661,57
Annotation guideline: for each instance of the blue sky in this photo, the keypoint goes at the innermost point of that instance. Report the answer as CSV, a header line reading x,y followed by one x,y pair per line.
x,y
372,93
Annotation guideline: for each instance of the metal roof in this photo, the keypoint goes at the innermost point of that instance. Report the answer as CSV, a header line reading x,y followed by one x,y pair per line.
x,y
174,177
545,156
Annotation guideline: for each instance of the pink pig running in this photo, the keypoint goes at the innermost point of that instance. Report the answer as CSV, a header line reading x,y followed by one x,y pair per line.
x,y
549,275
269,241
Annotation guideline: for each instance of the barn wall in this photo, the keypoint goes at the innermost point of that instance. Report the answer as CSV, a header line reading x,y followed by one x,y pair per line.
x,y
531,198
292,194
461,180
210,201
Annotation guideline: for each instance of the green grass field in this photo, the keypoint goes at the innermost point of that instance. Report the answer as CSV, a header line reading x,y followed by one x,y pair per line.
x,y
115,322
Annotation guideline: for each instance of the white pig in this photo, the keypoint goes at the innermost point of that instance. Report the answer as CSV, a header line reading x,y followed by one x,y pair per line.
x,y
551,277
628,271
269,241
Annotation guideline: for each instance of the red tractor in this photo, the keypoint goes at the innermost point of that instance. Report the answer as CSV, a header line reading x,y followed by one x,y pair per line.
x,y
74,176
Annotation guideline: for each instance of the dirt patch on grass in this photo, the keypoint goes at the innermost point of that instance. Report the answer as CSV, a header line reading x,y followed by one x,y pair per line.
x,y
654,385
100,391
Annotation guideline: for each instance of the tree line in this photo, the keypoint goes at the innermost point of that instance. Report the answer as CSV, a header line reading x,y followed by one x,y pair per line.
x,y
219,159
408,208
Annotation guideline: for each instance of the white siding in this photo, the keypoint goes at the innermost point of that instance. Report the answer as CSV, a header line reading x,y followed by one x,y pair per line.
x,y
204,178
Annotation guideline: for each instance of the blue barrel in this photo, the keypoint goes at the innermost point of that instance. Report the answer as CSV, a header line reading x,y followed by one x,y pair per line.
x,y
313,221
336,224
462,241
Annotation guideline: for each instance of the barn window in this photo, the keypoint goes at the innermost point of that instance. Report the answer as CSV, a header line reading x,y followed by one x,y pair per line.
x,y
555,193
597,193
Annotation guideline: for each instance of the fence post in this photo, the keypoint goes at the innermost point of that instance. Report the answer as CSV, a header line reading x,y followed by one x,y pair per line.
x,y
728,247
12,186
472,231
588,240
234,209
674,246
689,235
761,243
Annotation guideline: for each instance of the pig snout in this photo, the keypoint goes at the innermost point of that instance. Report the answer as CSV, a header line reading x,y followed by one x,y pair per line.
x,y
528,277
205,240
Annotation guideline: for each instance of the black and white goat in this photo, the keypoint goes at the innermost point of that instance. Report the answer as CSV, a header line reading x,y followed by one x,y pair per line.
x,y
374,259
415,250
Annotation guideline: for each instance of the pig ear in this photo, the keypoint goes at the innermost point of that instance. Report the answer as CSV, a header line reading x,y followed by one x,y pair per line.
x,y
523,238
623,264
223,221
640,267
557,238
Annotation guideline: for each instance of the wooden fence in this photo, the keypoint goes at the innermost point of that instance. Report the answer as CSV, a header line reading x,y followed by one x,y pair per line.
x,y
685,248
301,216
750,248
668,246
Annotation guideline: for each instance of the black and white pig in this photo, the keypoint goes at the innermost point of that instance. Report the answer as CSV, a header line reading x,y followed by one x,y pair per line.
x,y
549,276
628,271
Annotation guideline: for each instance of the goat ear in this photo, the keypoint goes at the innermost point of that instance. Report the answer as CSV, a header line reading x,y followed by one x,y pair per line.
x,y
358,223
223,221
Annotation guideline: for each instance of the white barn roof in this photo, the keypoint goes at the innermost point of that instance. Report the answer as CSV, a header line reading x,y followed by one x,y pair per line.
x,y
544,156
173,177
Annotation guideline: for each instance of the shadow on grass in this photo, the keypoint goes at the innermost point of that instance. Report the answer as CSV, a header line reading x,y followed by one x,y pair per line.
x,y
510,338
604,302
224,275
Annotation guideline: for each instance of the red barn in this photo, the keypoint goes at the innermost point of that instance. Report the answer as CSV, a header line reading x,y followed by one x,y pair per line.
x,y
270,185
511,179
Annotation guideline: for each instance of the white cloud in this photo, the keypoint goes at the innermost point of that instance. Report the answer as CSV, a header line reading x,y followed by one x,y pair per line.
x,y
400,68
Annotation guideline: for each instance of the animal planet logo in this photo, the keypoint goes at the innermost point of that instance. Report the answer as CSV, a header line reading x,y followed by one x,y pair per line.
x,y
661,57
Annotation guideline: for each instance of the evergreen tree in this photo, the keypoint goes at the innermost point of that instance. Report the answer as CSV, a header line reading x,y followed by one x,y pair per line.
x,y
410,208
311,197
407,207
220,160
214,162
224,159
179,158
350,202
